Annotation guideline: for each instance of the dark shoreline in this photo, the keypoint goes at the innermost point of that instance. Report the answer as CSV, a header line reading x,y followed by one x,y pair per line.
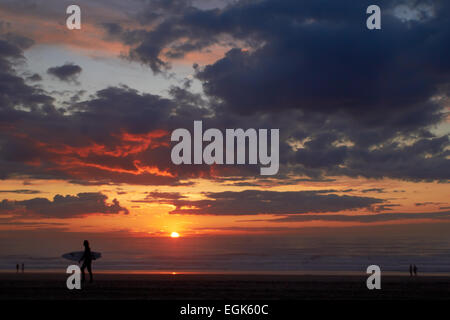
x,y
52,286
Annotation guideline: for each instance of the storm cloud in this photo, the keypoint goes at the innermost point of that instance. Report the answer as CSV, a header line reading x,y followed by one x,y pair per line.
x,y
371,111
354,106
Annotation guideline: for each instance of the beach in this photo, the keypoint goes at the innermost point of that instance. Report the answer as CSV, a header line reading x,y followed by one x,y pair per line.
x,y
52,286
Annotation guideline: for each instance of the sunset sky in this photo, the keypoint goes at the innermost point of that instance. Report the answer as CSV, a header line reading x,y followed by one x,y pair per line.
x,y
86,117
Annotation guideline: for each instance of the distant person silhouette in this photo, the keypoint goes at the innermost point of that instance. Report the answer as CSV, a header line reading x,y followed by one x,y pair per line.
x,y
17,268
410,270
23,267
415,270
87,261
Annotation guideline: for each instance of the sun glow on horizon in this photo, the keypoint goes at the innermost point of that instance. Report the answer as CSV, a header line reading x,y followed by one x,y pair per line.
x,y
174,235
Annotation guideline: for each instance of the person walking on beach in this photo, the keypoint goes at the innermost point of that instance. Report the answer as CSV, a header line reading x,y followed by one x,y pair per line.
x,y
410,270
17,268
415,270
87,261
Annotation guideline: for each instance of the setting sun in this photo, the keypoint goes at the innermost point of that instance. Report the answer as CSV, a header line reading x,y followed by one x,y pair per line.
x,y
175,235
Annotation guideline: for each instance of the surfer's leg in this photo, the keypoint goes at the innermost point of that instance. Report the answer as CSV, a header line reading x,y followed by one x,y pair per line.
x,y
89,267
83,266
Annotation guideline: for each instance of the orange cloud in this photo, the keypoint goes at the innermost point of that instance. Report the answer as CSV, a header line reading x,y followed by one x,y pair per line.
x,y
129,144
72,164
123,155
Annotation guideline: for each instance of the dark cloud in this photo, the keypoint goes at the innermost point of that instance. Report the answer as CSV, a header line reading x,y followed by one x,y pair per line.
x,y
112,28
21,191
68,72
377,190
122,136
280,180
14,92
299,66
163,196
427,203
29,224
252,202
300,51
63,206
20,41
365,218
384,207
8,49
364,112
117,135
34,77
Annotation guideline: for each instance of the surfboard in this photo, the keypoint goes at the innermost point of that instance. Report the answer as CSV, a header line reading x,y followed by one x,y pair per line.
x,y
76,255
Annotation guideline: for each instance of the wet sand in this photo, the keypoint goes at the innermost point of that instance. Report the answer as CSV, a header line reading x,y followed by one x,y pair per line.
x,y
49,286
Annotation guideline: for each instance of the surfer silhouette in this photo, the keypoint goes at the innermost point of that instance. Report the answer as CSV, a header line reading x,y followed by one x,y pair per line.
x,y
87,261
